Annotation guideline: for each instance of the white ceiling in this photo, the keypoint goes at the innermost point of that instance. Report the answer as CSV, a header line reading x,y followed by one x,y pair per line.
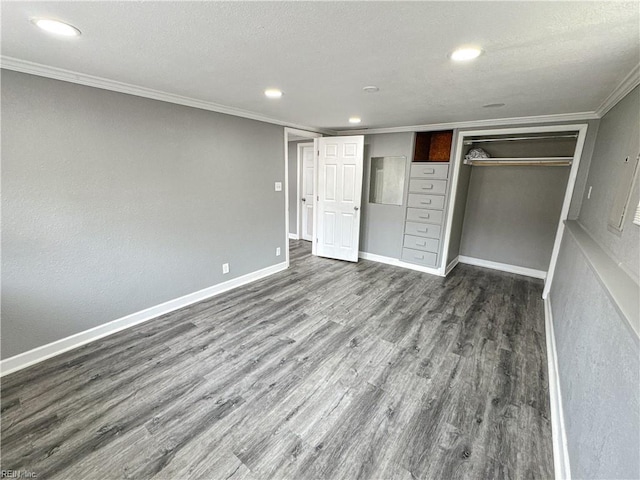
x,y
540,58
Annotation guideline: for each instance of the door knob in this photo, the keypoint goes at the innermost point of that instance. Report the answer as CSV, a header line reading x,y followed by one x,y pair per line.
x,y
355,208
304,199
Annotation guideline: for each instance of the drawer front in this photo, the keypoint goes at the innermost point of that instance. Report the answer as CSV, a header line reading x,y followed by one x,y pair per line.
x,y
421,243
427,259
424,215
426,201
418,185
422,230
429,171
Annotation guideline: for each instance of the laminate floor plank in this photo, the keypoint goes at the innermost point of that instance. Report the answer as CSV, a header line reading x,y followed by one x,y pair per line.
x,y
329,370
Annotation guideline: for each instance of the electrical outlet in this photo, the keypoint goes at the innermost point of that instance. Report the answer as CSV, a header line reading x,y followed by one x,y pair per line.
x,y
225,268
278,186
589,193
278,252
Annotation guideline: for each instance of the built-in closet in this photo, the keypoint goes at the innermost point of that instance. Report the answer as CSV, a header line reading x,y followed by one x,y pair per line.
x,y
508,205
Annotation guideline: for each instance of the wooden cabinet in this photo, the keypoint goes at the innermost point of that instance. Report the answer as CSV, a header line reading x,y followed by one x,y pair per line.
x,y
433,146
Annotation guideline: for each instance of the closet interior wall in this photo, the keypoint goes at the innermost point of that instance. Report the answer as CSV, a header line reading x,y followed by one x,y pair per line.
x,y
511,213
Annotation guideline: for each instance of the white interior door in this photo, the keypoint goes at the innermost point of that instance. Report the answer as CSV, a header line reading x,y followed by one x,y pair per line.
x,y
338,198
306,163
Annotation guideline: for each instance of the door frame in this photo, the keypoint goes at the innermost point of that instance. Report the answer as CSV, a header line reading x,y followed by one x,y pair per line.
x,y
299,184
296,133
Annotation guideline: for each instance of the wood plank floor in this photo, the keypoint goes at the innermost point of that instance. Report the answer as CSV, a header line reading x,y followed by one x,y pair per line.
x,y
329,370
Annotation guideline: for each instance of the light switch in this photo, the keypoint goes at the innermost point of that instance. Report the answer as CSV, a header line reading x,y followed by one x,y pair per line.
x,y
278,186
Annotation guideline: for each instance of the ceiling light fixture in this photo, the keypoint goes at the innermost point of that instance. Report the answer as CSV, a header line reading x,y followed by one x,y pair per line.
x,y
493,105
355,120
466,53
370,89
273,93
56,27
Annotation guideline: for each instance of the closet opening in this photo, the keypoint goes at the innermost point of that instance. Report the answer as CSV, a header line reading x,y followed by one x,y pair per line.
x,y
512,193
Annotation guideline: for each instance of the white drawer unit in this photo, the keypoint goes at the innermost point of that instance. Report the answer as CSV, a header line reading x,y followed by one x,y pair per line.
x,y
419,185
417,200
427,259
421,243
424,215
430,170
422,230
422,240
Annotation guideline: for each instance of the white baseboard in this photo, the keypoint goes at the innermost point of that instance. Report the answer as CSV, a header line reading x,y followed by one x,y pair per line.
x,y
26,359
294,236
503,267
560,453
451,265
398,263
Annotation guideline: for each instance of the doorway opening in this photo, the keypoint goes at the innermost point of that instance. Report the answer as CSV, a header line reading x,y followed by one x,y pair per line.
x,y
293,211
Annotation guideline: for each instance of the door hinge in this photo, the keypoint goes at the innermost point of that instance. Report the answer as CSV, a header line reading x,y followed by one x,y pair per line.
x,y
318,198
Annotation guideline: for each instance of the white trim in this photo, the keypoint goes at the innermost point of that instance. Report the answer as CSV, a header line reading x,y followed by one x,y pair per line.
x,y
559,117
503,267
452,265
564,213
631,81
41,70
316,161
455,163
52,349
293,236
398,263
562,467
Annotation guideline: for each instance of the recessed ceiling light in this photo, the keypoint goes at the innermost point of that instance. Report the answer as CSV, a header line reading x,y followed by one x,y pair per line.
x,y
466,53
56,27
493,105
370,89
273,93
355,120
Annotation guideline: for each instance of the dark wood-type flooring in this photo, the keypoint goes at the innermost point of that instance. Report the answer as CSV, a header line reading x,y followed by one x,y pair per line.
x,y
329,370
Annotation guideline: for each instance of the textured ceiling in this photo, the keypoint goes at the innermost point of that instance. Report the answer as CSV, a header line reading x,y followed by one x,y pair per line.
x,y
540,57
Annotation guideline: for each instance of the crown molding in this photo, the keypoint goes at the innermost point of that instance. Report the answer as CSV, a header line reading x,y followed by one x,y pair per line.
x,y
631,81
41,70
494,122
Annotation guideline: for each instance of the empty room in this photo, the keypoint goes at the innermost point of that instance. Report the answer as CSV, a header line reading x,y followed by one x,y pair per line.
x,y
320,240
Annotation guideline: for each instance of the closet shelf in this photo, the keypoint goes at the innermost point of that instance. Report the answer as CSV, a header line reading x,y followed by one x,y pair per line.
x,y
515,139
521,161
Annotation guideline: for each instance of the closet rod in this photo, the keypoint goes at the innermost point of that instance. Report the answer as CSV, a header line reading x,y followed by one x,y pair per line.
x,y
513,139
518,163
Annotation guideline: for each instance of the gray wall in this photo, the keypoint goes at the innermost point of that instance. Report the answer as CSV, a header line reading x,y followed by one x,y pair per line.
x,y
597,352
616,140
382,226
512,214
113,203
599,368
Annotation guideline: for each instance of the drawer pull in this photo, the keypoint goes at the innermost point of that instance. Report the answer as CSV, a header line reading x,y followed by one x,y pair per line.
x,y
421,244
426,217
421,257
425,202
428,187
422,230
429,170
